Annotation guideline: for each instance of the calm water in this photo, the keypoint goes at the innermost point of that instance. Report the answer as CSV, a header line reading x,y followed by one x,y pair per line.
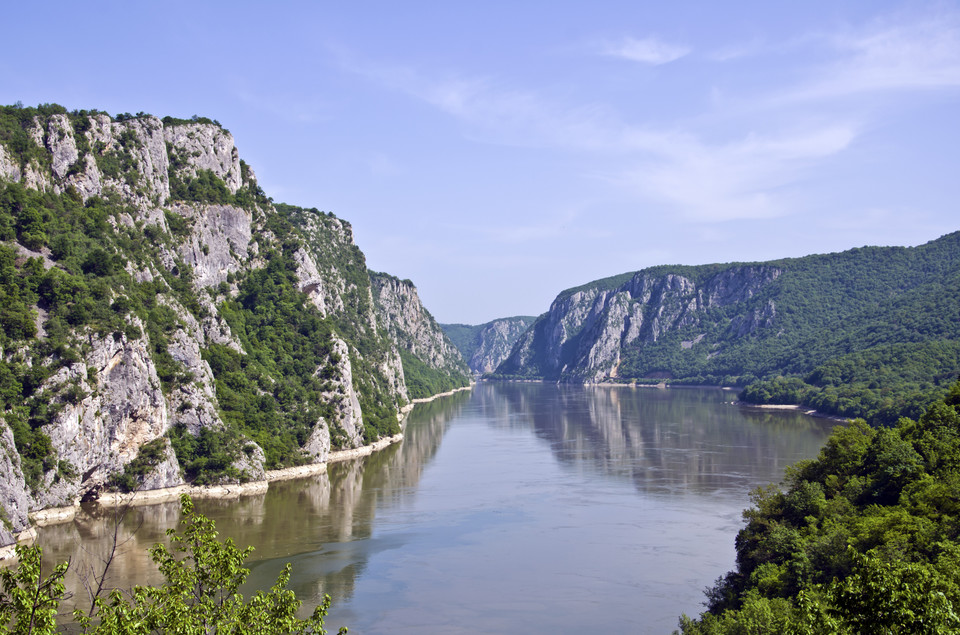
x,y
515,508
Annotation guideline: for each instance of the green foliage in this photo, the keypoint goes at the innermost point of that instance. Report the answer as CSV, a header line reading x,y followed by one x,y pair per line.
x,y
29,601
854,315
200,593
424,381
205,187
275,393
880,384
865,538
149,456
174,121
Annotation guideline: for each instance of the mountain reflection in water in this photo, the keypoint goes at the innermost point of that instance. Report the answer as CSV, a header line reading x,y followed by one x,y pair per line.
x,y
519,507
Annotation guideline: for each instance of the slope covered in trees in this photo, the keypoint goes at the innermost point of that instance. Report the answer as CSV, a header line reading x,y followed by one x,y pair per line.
x,y
165,322
739,323
863,539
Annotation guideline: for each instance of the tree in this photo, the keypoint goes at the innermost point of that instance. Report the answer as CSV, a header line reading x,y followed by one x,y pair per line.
x,y
200,594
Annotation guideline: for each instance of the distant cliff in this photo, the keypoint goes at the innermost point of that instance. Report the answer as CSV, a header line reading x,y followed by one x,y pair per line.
x,y
165,322
431,363
735,323
485,346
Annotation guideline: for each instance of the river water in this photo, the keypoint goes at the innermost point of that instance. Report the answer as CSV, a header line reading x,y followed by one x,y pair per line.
x,y
514,508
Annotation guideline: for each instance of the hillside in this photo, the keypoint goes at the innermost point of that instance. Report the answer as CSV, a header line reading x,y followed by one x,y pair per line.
x,y
863,539
165,322
431,363
485,346
736,323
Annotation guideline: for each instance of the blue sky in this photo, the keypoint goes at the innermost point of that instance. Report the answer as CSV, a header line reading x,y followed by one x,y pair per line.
x,y
498,152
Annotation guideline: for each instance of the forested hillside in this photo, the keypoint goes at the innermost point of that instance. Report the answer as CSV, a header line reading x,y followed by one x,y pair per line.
x,y
864,539
164,322
735,324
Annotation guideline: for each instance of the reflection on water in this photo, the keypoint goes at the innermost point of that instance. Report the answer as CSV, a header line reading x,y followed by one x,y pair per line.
x,y
519,507
666,441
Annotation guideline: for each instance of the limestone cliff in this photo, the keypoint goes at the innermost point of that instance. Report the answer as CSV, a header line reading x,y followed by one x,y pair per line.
x,y
486,346
588,331
431,362
152,294
734,323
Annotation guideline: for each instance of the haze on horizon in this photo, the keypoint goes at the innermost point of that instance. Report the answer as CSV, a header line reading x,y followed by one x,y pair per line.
x,y
499,153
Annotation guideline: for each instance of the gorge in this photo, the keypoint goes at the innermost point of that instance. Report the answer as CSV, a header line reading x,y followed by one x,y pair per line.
x,y
167,324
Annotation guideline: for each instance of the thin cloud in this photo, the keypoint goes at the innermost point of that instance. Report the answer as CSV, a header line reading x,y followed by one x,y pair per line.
x,y
708,182
888,56
646,51
747,179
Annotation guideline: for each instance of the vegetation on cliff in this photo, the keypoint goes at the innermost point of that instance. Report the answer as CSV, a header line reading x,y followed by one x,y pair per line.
x,y
106,231
485,346
779,322
863,539
431,362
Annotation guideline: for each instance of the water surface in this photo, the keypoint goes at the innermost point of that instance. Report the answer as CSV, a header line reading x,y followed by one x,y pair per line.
x,y
518,507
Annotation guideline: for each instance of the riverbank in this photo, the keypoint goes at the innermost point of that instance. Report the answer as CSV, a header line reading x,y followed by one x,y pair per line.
x,y
56,515
804,409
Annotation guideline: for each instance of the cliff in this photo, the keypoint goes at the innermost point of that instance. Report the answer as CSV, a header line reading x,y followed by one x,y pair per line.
x,y
431,363
486,346
734,323
165,322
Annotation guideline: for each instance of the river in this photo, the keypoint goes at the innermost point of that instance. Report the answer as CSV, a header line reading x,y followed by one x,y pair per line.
x,y
514,508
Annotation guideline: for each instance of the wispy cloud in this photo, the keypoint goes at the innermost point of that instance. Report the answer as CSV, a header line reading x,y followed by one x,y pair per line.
x,y
646,51
681,166
748,178
887,55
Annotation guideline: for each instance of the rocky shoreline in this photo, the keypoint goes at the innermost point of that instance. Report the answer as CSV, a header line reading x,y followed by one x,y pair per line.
x,y
56,515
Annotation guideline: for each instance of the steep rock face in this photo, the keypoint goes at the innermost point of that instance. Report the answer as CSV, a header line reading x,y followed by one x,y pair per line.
x,y
404,317
201,146
486,346
118,350
13,490
332,272
123,409
588,332
219,243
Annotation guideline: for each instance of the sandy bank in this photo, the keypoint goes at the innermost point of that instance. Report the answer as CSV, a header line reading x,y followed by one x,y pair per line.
x,y
804,409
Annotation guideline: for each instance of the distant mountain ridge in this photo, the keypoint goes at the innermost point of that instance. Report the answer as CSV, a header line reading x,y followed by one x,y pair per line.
x,y
737,323
485,346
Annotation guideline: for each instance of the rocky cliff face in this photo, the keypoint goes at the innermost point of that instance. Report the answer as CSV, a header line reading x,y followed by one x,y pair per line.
x,y
148,277
486,346
589,332
407,322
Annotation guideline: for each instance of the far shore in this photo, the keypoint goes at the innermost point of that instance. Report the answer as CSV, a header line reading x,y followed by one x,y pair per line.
x,y
56,515
804,409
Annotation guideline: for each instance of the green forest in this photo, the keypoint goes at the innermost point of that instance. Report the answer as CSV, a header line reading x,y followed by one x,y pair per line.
x,y
863,539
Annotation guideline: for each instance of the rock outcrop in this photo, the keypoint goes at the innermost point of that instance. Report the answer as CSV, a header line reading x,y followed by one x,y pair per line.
x,y
115,351
486,346
588,331
416,332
